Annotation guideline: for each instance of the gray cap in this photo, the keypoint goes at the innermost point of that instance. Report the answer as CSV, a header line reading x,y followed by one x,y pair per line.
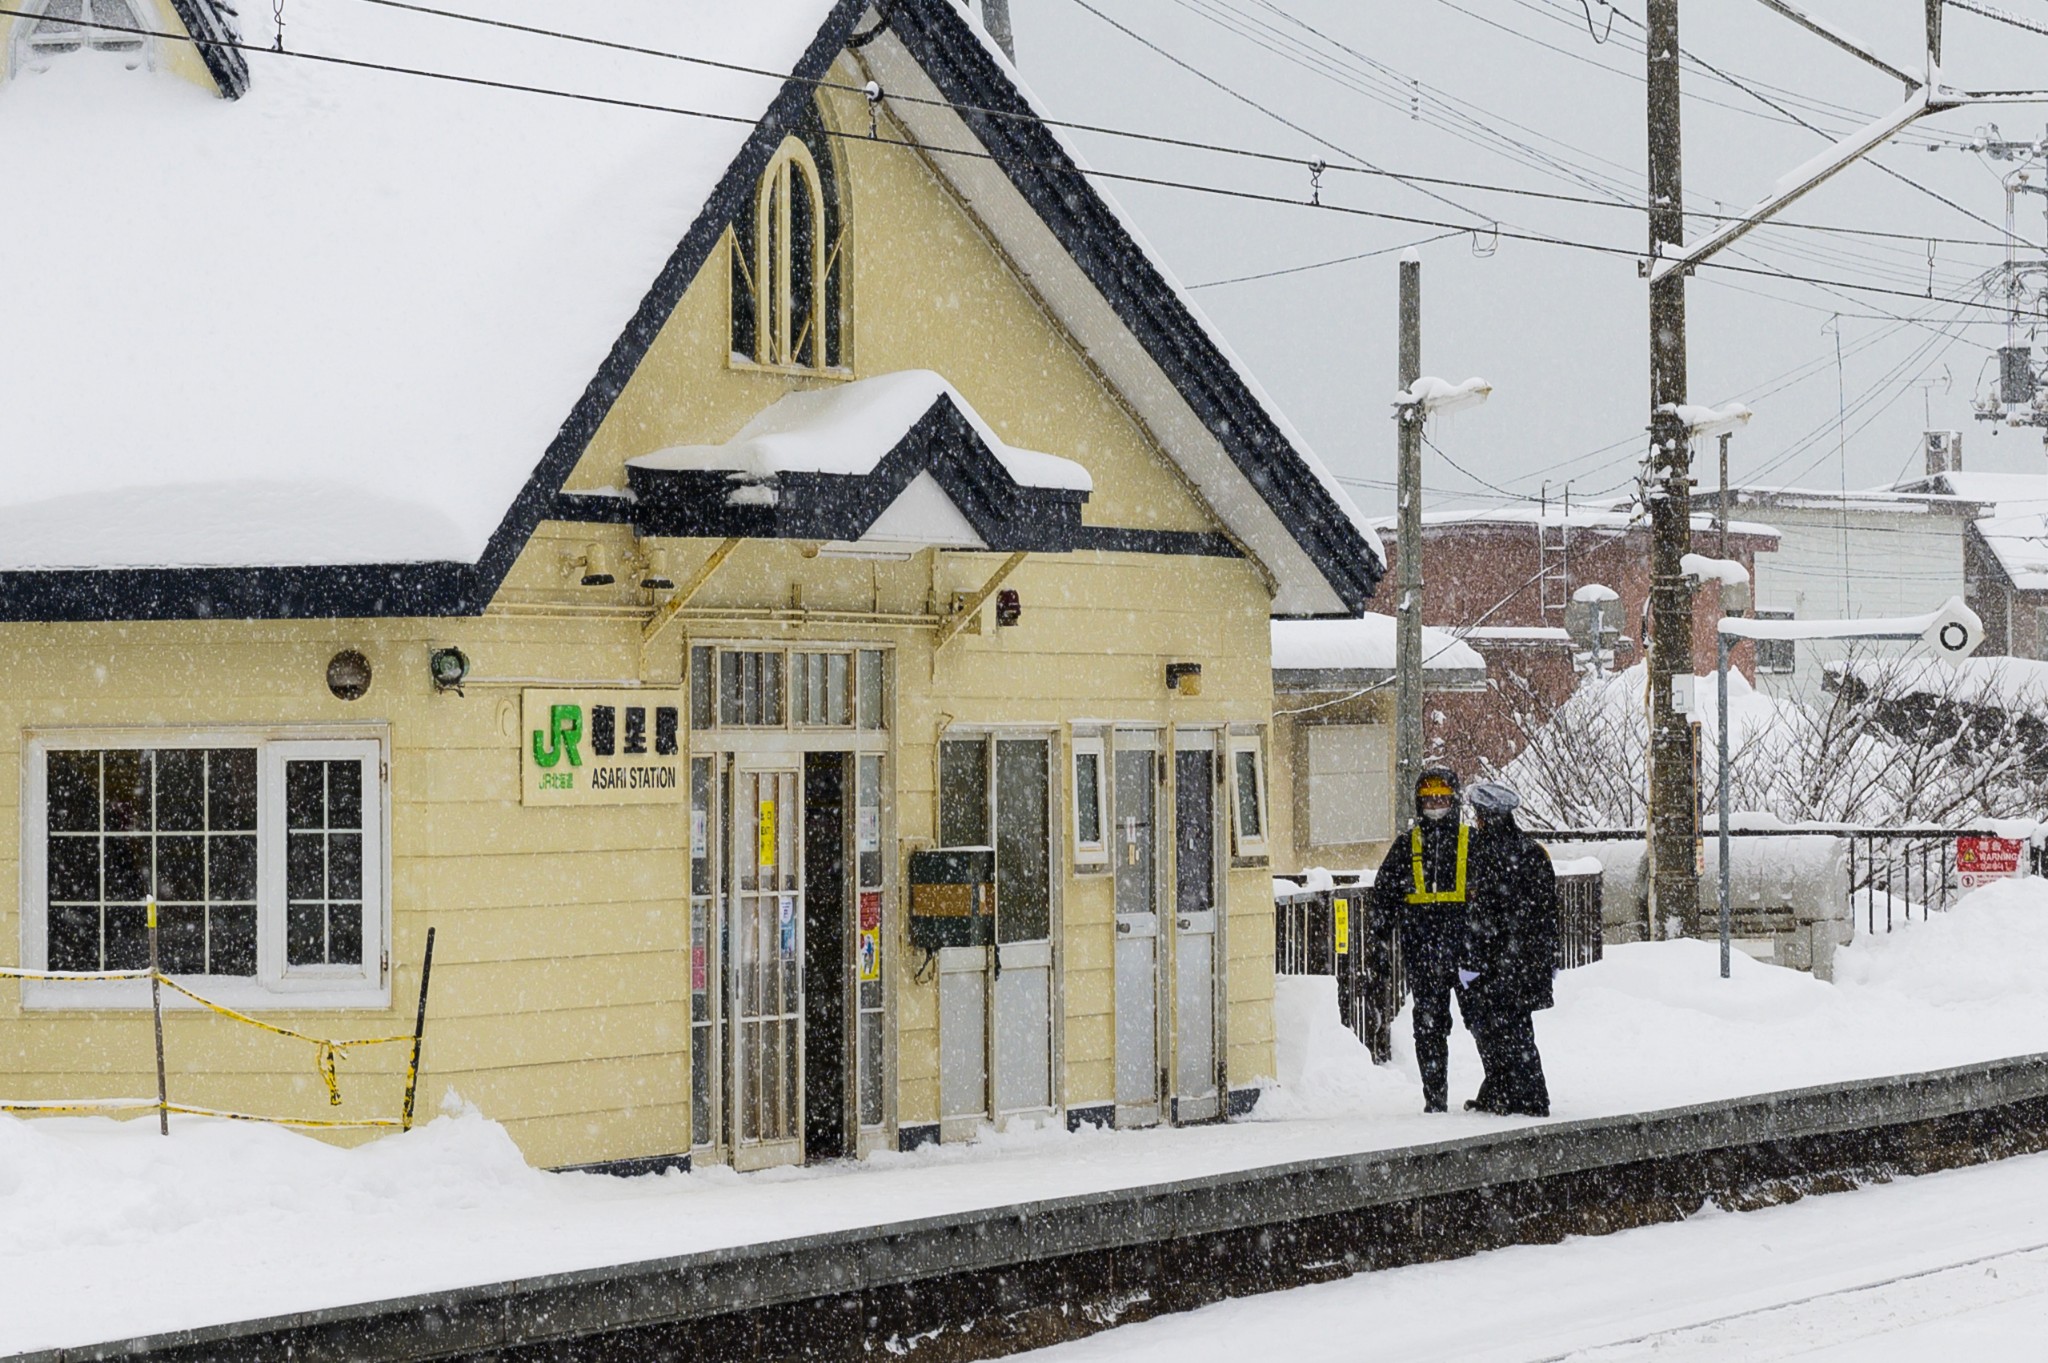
x,y
1493,798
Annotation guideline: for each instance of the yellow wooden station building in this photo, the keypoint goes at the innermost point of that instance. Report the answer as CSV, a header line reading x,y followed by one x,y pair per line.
x,y
627,517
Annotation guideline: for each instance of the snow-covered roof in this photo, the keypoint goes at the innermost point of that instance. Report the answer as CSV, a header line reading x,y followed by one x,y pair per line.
x,y
1364,645
1579,518
2014,523
366,321
2012,684
345,315
847,429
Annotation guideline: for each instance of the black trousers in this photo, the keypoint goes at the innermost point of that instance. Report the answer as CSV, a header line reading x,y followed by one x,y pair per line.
x,y
1430,935
1514,1071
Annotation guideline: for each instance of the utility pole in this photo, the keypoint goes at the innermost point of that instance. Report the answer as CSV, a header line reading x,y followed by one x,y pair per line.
x,y
1724,493
1674,878
1408,551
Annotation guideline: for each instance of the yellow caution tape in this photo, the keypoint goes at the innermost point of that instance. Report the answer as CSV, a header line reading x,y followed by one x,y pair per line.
x,y
324,1124
79,1105
331,1052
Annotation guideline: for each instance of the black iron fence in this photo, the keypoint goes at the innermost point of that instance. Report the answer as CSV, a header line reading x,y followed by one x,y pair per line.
x,y
1891,874
1333,932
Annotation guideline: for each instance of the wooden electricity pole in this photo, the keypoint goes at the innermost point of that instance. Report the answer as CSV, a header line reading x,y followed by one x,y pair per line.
x,y
1408,554
1674,878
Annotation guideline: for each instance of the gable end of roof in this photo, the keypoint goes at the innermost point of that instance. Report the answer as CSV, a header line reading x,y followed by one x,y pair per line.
x,y
1151,308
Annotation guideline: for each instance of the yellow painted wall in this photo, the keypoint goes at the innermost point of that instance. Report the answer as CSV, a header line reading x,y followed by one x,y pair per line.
x,y
173,56
560,987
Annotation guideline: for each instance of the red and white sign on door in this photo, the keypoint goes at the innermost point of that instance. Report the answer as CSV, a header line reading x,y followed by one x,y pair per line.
x,y
1981,860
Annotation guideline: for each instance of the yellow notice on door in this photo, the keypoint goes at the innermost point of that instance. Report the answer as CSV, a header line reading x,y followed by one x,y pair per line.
x,y
1343,927
766,856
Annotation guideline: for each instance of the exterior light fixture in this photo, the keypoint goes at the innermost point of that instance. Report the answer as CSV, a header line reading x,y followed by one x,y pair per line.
x,y
593,567
655,574
348,675
1184,678
1009,607
448,667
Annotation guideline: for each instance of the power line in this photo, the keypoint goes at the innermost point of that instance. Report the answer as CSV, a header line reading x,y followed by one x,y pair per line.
x,y
1325,264
1064,167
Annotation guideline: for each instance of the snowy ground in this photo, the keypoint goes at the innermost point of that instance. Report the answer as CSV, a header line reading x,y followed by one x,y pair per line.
x,y
115,1231
1949,1265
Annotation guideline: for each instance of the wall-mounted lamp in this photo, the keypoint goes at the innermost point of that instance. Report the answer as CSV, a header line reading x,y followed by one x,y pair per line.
x,y
348,675
1184,678
593,567
655,574
448,667
1009,606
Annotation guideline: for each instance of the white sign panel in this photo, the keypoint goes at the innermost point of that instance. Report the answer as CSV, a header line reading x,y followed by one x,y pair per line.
x,y
601,747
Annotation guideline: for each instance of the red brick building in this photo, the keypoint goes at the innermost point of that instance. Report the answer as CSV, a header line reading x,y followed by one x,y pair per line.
x,y
1505,580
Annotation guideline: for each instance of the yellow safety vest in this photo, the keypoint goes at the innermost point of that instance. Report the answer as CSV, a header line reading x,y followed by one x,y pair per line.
x,y
1456,894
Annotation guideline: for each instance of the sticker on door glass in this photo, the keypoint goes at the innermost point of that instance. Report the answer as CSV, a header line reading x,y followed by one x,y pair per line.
x,y
870,955
785,916
700,969
870,830
870,910
697,832
766,855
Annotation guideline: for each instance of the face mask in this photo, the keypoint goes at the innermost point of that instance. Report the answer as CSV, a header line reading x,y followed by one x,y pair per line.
x,y
1437,813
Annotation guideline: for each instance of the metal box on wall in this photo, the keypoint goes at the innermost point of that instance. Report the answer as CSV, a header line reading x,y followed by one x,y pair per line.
x,y
952,897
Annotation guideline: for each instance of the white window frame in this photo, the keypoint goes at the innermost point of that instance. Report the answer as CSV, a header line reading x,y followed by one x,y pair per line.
x,y
25,56
1242,844
1090,855
274,985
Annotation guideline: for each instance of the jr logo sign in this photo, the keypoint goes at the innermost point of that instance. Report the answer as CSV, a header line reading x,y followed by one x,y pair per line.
x,y
612,747
562,738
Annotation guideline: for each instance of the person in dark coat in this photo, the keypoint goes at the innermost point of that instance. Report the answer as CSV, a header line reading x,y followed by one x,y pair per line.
x,y
1419,900
1508,956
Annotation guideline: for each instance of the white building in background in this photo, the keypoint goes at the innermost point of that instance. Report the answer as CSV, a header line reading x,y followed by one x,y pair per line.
x,y
1842,557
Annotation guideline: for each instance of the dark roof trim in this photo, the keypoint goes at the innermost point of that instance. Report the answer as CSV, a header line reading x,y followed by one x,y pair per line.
x,y
532,504
1035,162
705,503
337,592
213,36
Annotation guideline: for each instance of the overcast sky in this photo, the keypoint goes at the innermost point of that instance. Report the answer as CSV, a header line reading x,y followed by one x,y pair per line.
x,y
1517,94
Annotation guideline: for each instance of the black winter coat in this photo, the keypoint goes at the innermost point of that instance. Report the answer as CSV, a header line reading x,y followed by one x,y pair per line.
x,y
1510,921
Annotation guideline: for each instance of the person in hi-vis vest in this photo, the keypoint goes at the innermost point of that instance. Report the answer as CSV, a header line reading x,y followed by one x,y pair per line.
x,y
1419,894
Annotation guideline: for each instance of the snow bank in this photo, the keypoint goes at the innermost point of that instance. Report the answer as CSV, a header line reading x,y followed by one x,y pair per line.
x,y
117,1231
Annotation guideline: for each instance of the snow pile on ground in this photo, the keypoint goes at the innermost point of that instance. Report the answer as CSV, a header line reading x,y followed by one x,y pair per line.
x,y
118,1232
1321,1066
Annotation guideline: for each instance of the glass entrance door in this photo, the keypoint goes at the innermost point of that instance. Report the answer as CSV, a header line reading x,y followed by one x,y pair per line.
x,y
1135,851
1197,774
766,985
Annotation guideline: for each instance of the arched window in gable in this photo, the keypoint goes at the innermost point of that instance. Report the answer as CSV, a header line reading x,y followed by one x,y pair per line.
x,y
60,27
787,266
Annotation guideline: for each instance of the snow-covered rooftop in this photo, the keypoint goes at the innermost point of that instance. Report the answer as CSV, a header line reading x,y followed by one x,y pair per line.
x,y
2014,523
1578,518
347,313
847,429
1363,645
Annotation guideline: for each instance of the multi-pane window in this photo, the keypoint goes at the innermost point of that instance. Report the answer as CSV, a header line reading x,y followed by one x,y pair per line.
x,y
1776,655
128,824
786,266
66,26
772,688
323,860
264,857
